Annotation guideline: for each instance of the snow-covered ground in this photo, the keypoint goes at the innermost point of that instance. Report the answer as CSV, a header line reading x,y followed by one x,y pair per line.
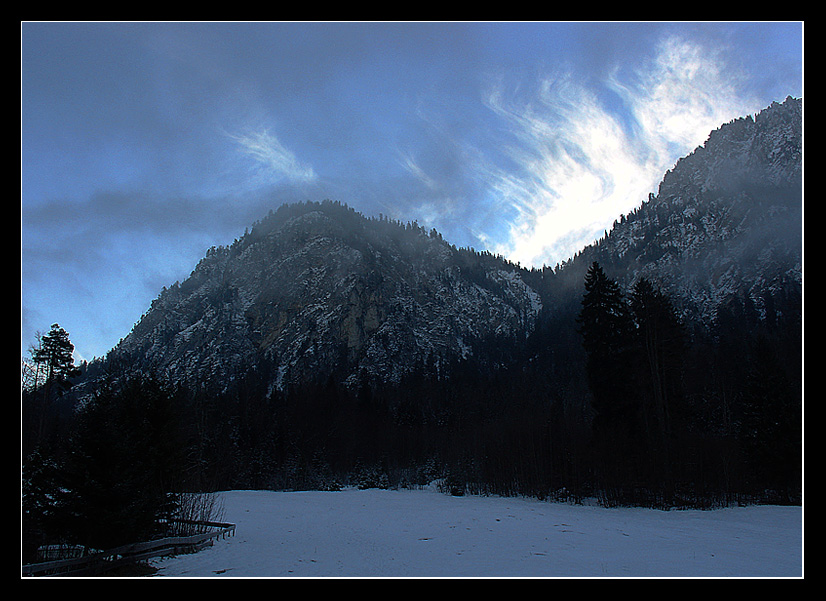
x,y
423,533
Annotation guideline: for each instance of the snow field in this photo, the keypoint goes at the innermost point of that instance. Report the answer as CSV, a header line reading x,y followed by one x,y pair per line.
x,y
423,533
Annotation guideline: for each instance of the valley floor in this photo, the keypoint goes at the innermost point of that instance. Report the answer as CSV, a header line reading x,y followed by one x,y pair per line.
x,y
423,533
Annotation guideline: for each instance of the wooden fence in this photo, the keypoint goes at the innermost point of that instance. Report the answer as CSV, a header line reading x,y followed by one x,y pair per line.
x,y
99,563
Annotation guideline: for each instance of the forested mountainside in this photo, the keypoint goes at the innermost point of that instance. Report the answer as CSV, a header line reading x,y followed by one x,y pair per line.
x,y
317,290
660,366
725,222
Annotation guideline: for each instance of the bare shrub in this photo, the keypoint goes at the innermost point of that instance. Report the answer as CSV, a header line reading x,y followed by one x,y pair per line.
x,y
193,509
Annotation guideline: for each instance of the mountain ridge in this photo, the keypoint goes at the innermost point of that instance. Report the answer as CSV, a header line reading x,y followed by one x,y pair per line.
x,y
318,290
726,219
316,285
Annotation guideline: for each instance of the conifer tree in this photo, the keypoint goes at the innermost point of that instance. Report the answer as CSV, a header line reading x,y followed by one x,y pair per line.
x,y
608,337
607,330
55,353
123,464
54,366
661,342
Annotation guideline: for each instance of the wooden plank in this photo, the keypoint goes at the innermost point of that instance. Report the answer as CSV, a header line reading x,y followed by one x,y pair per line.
x,y
130,553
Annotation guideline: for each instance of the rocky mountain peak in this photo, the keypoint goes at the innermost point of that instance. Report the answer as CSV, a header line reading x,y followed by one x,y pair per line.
x,y
317,290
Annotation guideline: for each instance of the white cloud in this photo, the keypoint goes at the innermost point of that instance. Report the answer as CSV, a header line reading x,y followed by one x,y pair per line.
x,y
410,165
273,161
684,94
582,166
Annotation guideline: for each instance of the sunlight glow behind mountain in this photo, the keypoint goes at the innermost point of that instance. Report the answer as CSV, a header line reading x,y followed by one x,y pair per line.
x,y
582,167
144,144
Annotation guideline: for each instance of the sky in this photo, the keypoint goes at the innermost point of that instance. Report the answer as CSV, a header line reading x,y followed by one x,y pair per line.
x,y
142,145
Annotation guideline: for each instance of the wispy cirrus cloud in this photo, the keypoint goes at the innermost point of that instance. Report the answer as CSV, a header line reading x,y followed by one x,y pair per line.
x,y
578,163
272,161
681,95
410,164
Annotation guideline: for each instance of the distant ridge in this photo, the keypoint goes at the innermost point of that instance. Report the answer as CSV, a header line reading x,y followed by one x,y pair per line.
x,y
316,290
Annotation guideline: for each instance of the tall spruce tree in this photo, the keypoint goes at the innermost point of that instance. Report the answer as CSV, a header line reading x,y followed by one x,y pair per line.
x,y
55,353
661,342
607,334
608,337
54,367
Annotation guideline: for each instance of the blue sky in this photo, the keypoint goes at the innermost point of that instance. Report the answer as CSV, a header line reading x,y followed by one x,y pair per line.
x,y
143,144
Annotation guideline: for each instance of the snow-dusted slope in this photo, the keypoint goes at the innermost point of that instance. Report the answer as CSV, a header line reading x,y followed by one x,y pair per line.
x,y
727,219
318,289
409,533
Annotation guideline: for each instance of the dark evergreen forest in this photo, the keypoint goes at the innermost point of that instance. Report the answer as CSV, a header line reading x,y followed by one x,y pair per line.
x,y
611,397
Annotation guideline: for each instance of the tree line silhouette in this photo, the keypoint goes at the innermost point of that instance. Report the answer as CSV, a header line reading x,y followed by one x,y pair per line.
x,y
611,397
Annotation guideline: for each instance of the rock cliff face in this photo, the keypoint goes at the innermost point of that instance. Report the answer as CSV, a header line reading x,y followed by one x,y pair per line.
x,y
317,290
